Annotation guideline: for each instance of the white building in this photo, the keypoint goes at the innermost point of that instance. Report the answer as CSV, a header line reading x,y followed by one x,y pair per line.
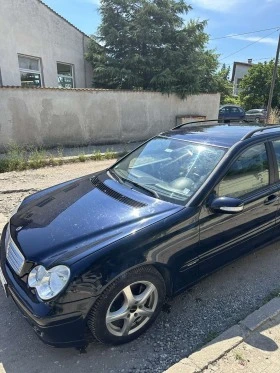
x,y
39,48
240,69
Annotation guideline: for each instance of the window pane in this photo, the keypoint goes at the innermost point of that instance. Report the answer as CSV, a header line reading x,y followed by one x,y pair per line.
x,y
276,145
30,80
65,82
28,63
248,173
63,69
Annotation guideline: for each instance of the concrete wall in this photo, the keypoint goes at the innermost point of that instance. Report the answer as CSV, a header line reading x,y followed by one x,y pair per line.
x,y
50,117
30,28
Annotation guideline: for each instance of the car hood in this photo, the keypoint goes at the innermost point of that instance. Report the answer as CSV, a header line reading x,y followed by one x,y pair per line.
x,y
81,216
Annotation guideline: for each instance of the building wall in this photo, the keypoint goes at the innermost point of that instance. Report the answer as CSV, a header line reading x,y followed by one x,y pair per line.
x,y
51,117
240,72
30,28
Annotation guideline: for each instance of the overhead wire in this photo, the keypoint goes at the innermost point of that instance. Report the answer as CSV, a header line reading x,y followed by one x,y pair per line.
x,y
248,45
245,33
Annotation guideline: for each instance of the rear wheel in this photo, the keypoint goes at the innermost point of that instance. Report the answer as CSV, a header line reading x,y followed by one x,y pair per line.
x,y
128,306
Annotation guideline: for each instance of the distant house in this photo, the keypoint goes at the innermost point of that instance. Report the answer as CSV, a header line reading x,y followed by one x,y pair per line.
x,y
39,48
240,69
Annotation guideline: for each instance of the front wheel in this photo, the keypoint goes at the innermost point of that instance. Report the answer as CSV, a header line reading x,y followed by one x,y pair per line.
x,y
128,307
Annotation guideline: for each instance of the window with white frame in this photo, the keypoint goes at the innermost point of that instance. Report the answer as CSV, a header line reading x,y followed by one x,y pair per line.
x,y
65,75
30,71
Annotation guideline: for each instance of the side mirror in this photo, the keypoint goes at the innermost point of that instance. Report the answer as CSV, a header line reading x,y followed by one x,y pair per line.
x,y
227,205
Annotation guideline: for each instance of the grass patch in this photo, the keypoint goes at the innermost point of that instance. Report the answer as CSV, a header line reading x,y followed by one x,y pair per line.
x,y
82,158
36,158
109,154
18,158
96,156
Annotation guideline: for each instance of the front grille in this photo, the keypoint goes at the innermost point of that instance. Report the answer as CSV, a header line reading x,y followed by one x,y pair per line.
x,y
14,256
112,193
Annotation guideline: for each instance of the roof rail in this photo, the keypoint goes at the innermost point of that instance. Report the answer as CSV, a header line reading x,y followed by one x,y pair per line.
x,y
250,134
220,121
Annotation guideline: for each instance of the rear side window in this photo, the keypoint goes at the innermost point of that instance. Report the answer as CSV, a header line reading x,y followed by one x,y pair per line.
x,y
248,173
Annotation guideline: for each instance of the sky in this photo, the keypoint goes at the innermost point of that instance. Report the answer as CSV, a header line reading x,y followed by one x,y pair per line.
x,y
224,17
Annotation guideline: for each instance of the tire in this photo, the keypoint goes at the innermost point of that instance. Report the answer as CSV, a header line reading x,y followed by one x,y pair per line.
x,y
128,307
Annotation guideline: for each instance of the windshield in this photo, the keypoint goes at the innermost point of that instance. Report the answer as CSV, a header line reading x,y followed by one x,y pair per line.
x,y
169,169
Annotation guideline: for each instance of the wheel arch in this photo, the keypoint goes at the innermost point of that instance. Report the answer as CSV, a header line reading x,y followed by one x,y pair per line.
x,y
161,268
166,275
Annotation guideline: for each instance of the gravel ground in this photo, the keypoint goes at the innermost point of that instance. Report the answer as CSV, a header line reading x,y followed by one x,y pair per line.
x,y
195,316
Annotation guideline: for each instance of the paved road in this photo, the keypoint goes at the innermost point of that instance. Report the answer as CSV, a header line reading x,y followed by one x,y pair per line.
x,y
196,316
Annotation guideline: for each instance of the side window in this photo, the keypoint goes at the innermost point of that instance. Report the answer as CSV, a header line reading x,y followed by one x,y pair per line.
x,y
276,145
248,173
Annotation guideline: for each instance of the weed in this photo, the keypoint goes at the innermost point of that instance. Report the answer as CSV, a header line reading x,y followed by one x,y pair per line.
x,y
37,158
4,165
109,154
239,358
96,156
82,158
274,116
16,157
53,161
59,151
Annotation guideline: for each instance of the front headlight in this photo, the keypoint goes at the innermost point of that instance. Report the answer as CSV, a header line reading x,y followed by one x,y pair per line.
x,y
48,283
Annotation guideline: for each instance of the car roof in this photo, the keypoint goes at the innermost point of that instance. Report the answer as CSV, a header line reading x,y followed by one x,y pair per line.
x,y
232,105
224,135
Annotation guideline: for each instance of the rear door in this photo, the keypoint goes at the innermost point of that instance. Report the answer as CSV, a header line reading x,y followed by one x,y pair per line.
x,y
276,154
236,113
224,237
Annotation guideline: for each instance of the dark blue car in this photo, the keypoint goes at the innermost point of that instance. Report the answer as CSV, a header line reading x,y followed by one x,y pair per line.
x,y
103,252
231,113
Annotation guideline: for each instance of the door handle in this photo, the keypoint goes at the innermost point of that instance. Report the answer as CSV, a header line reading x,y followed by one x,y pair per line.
x,y
271,199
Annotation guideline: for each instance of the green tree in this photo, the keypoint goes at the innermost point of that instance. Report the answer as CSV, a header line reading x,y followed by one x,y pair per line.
x,y
145,45
255,86
223,84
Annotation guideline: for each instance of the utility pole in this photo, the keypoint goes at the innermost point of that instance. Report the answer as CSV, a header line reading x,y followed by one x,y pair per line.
x,y
273,82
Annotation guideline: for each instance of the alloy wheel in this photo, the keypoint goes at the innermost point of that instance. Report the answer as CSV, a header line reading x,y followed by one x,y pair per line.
x,y
132,308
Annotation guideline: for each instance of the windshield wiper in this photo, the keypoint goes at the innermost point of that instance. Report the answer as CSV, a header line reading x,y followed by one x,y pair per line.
x,y
116,176
152,192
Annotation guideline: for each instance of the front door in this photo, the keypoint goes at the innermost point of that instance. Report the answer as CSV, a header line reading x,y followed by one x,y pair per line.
x,y
224,237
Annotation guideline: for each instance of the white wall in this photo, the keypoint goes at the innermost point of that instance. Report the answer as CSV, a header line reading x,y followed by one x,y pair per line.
x,y
50,117
28,27
240,72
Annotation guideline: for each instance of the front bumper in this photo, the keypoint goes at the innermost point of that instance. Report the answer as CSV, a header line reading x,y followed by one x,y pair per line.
x,y
59,325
